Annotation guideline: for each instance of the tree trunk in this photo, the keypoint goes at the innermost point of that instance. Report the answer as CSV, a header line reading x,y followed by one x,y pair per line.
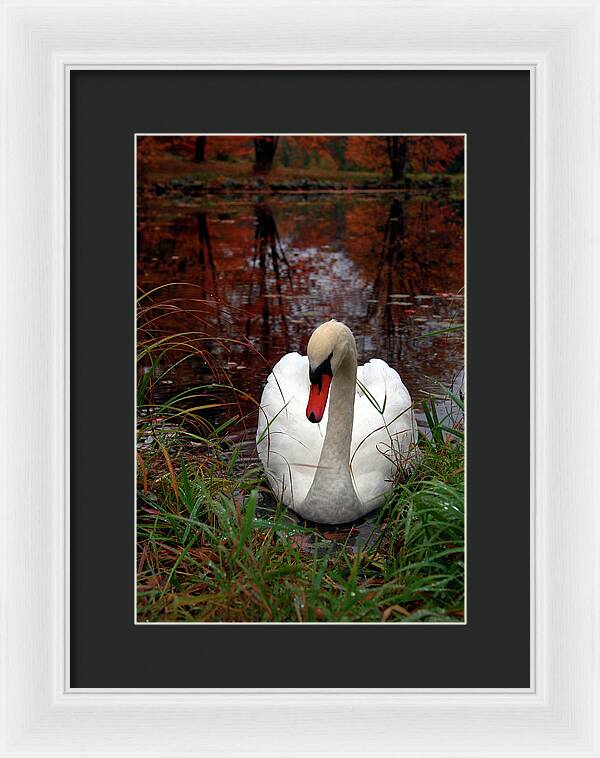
x,y
200,149
264,149
397,148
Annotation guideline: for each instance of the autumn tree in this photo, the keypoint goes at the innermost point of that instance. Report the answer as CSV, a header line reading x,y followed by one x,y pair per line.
x,y
435,154
199,149
379,153
323,150
397,150
230,148
153,147
426,154
264,150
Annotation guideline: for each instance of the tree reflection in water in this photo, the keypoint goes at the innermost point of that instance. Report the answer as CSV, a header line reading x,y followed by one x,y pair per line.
x,y
207,275
268,250
388,273
391,266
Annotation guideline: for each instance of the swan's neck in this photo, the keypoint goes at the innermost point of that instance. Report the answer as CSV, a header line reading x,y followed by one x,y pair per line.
x,y
338,437
332,497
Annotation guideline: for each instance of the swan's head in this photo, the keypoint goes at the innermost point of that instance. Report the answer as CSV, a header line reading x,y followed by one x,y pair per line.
x,y
329,346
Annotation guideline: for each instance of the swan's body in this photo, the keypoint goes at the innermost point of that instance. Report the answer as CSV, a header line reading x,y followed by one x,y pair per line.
x,y
336,470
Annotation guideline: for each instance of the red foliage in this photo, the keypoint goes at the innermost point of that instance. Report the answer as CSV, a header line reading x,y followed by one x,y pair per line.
x,y
424,154
434,154
217,148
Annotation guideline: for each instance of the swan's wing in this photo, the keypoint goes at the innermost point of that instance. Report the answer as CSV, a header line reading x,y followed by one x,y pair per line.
x,y
384,432
288,444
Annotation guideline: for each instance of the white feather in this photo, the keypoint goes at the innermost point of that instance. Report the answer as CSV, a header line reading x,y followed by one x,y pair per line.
x,y
289,445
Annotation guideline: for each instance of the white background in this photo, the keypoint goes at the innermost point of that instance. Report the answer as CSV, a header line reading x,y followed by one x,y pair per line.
x,y
559,43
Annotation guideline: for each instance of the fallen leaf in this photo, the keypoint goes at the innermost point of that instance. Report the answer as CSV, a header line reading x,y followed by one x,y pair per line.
x,y
340,536
388,612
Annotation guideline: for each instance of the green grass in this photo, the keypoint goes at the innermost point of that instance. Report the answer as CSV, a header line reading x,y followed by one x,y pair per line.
x,y
208,549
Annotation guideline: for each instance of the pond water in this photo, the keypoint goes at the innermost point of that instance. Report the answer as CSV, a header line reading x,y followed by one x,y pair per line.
x,y
255,275
266,270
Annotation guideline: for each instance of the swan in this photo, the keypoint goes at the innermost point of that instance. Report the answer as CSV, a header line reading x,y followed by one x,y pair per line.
x,y
332,462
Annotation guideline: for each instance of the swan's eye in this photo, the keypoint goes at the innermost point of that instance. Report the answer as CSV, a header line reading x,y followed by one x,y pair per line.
x,y
316,375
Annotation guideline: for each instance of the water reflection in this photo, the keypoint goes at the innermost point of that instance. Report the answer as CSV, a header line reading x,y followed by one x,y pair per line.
x,y
390,266
388,270
269,258
206,278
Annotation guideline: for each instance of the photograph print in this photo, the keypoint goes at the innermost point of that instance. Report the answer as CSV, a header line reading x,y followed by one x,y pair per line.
x,y
300,378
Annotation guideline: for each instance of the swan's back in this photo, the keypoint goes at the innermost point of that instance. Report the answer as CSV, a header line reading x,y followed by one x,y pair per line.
x,y
289,445
384,433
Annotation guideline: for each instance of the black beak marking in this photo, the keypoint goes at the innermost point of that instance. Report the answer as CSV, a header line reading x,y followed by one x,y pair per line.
x,y
316,376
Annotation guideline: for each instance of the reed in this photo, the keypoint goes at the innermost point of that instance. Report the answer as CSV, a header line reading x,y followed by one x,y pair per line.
x,y
213,545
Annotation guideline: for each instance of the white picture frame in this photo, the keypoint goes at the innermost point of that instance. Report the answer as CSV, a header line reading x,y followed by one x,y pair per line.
x,y
559,44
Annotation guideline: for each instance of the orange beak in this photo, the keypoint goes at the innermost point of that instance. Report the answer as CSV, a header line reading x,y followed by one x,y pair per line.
x,y
317,399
